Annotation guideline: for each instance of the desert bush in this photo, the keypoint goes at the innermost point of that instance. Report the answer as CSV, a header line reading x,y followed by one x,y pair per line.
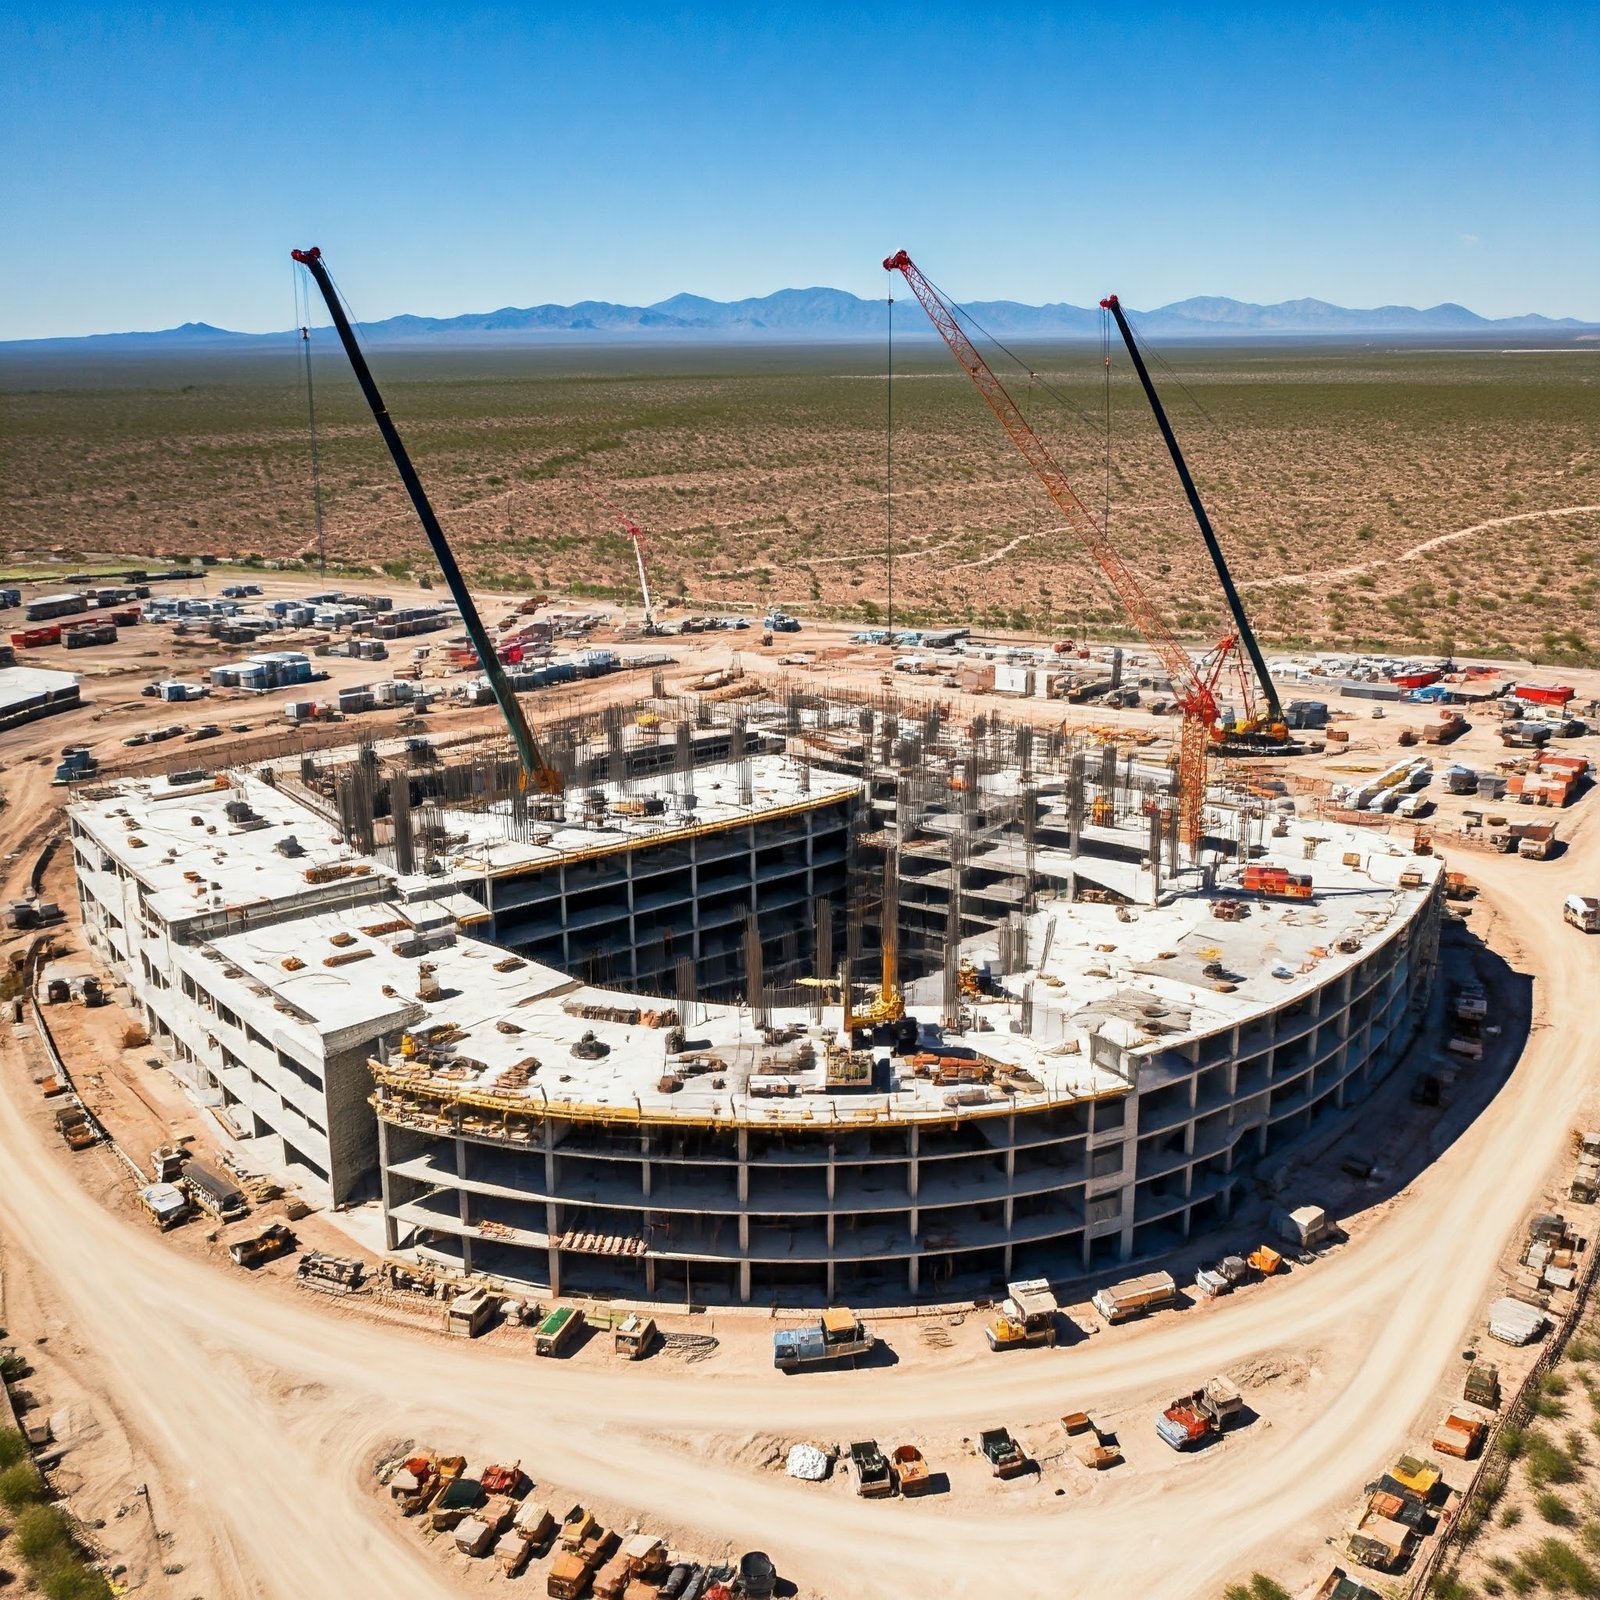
x,y
1555,1509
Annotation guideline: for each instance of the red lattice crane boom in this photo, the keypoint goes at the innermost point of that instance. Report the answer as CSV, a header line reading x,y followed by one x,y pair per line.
x,y
1191,684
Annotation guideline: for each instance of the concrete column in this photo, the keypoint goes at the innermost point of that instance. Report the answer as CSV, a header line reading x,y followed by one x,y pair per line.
x,y
914,1171
644,1164
744,1166
914,1275
832,1173
552,1172
744,1283
633,932
391,1233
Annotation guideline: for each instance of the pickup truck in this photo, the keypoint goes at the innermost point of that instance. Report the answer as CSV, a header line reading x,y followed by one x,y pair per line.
x,y
835,1336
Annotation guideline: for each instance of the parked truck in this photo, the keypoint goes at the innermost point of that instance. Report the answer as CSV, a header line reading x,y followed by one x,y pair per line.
x,y
556,1333
219,1197
1582,911
1193,1418
273,1240
837,1335
1136,1297
873,1477
1027,1316
1005,1456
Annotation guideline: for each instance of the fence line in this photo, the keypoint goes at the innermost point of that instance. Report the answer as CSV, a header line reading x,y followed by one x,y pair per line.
x,y
1516,1413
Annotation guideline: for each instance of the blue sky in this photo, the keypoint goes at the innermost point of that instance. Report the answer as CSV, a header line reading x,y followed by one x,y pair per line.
x,y
159,164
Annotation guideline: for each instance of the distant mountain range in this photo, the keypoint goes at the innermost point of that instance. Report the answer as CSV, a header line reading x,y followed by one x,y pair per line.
x,y
826,314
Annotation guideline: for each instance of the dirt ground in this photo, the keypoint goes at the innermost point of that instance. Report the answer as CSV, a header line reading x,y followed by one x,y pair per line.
x,y
250,1407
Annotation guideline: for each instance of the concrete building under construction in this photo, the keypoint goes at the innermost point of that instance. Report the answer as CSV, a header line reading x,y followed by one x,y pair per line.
x,y
612,1050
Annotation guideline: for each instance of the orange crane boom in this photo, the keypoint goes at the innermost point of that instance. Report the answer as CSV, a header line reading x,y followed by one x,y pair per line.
x,y
1191,689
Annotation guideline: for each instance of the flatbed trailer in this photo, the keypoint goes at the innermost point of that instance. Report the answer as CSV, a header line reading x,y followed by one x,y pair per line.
x,y
556,1333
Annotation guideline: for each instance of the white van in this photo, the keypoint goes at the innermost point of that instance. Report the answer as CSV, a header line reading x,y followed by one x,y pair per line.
x,y
1582,911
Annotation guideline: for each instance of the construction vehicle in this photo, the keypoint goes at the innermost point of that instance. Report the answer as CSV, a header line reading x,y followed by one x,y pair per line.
x,y
1381,1543
556,1333
837,1335
219,1197
873,1477
758,1577
910,1470
1267,1261
537,771
1194,684
636,535
270,1242
1223,1278
1027,1316
1459,1435
470,1314
1582,911
165,1204
1005,1456
74,1126
585,1545
1193,1418
1482,1386
327,1274
633,1337
1305,1226
1135,1297
1276,881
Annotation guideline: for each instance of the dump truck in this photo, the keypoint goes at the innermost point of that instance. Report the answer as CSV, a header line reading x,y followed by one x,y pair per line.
x,y
1459,1435
873,1477
758,1577
837,1335
1136,1297
1192,1418
557,1333
1005,1456
74,1126
1027,1316
633,1337
469,1314
273,1240
910,1470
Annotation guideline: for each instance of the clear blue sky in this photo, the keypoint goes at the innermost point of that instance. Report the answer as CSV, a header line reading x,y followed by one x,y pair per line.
x,y
159,164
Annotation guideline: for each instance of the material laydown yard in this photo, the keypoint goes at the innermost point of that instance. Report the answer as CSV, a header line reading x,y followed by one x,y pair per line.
x,y
1417,496
160,1341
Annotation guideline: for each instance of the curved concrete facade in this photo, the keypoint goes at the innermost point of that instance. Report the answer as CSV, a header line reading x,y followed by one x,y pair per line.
x,y
886,1206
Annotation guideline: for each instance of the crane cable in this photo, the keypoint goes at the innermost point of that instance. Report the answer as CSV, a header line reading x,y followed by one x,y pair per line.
x,y
302,319
888,494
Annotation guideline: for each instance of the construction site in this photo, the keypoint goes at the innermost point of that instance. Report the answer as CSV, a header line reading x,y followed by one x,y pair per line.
x,y
683,1011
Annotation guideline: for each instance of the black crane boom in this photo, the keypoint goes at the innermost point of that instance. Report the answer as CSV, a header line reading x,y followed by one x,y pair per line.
x,y
540,774
1235,605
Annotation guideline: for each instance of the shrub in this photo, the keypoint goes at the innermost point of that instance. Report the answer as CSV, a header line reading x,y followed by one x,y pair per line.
x,y
1555,1510
43,1537
73,1581
1547,1462
20,1486
13,1448
1511,1516
1555,1564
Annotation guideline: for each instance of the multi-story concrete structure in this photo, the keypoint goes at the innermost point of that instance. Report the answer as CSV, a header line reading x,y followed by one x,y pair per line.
x,y
1082,1085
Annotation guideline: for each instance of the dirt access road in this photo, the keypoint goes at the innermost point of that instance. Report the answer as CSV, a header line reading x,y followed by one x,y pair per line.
x,y
261,1413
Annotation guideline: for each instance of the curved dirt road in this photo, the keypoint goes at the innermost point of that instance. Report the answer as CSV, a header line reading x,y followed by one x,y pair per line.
x,y
268,1407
